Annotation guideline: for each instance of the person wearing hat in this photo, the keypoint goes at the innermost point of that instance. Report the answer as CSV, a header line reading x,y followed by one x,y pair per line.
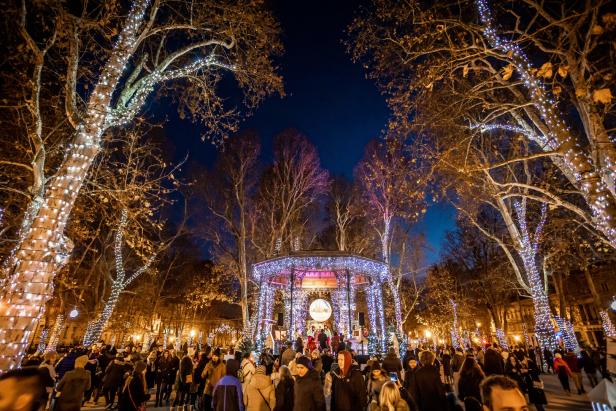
x,y
135,390
227,394
73,385
212,373
308,394
260,394
563,371
376,379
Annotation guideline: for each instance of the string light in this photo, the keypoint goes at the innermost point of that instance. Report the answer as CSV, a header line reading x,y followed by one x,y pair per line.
x,y
267,273
608,326
502,340
95,328
593,185
42,248
42,341
527,250
455,335
56,331
568,335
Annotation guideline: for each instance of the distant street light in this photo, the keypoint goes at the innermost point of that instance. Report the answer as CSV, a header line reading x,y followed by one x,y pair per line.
x,y
74,313
428,333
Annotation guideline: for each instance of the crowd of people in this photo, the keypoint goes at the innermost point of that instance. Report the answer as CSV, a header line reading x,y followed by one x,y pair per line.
x,y
311,378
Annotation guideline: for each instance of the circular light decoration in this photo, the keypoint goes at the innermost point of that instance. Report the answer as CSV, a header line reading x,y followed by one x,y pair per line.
x,y
320,310
613,304
74,313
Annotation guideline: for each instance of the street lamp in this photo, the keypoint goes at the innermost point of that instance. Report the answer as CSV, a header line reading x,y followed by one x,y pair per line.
x,y
74,313
428,334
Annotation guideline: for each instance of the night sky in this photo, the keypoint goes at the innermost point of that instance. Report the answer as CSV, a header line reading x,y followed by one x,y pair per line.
x,y
327,98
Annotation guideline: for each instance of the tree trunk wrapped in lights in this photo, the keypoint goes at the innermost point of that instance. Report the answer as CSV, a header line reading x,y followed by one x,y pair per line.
x,y
594,177
56,332
95,328
247,34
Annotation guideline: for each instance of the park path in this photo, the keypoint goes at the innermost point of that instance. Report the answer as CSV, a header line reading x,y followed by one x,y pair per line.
x,y
559,400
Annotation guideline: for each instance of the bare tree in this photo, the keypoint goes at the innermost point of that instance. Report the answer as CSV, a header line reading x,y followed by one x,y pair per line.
x,y
176,47
288,189
230,201
506,72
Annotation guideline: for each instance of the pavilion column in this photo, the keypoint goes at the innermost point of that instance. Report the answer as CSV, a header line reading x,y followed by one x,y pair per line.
x,y
371,303
292,304
260,307
381,314
348,302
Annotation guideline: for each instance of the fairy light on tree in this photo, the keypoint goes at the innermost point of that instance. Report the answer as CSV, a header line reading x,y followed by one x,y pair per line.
x,y
121,281
117,97
56,332
557,136
608,326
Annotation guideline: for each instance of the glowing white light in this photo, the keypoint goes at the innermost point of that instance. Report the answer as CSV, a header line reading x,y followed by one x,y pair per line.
x,y
320,310
74,313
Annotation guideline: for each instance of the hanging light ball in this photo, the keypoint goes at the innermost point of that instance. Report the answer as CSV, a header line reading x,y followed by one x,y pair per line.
x,y
74,313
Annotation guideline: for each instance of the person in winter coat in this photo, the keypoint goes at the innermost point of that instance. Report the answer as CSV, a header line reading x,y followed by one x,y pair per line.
x,y
113,379
457,361
284,390
247,369
212,373
392,363
163,378
493,362
260,394
390,399
376,379
150,374
347,391
315,359
576,373
288,355
72,386
446,362
308,394
427,389
48,364
227,394
513,370
589,368
135,390
409,374
327,360
470,378
562,369
185,378
66,363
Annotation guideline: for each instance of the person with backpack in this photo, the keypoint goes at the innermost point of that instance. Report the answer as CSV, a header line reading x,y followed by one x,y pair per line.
x,y
260,394
227,394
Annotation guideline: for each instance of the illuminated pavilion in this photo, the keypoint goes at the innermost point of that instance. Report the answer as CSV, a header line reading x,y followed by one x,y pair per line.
x,y
336,276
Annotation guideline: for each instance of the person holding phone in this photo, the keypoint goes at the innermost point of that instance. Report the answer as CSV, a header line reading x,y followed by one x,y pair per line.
x,y
376,379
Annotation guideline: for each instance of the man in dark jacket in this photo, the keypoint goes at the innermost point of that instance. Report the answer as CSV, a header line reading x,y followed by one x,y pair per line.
x,y
73,386
186,378
308,394
348,393
392,363
493,362
227,394
426,388
112,380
